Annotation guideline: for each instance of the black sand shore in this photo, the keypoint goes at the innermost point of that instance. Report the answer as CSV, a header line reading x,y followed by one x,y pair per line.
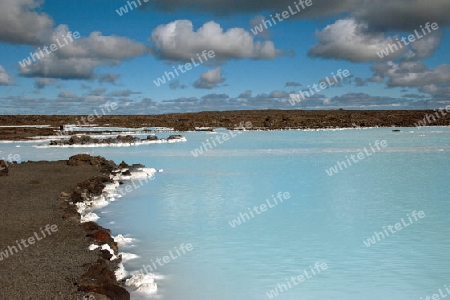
x,y
52,263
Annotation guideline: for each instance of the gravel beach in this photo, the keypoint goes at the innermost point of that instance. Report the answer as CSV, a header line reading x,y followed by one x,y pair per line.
x,y
47,267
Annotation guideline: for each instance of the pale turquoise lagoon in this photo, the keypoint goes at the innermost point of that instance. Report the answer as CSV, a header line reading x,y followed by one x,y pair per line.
x,y
325,220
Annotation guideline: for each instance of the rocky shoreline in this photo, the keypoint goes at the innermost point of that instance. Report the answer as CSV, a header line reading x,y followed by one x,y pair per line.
x,y
260,120
128,139
99,280
61,266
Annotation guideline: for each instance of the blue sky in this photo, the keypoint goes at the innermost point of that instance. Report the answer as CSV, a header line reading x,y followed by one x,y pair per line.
x,y
119,58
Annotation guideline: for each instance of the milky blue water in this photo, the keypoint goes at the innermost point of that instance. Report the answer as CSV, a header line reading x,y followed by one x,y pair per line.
x,y
325,220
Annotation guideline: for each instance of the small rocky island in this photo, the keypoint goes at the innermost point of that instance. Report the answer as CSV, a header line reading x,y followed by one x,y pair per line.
x,y
120,139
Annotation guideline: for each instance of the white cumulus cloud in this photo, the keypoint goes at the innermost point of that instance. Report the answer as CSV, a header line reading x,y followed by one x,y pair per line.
x,y
210,79
179,41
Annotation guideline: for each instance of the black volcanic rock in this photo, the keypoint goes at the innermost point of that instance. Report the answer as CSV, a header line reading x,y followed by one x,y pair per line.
x,y
4,170
260,119
152,138
85,140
